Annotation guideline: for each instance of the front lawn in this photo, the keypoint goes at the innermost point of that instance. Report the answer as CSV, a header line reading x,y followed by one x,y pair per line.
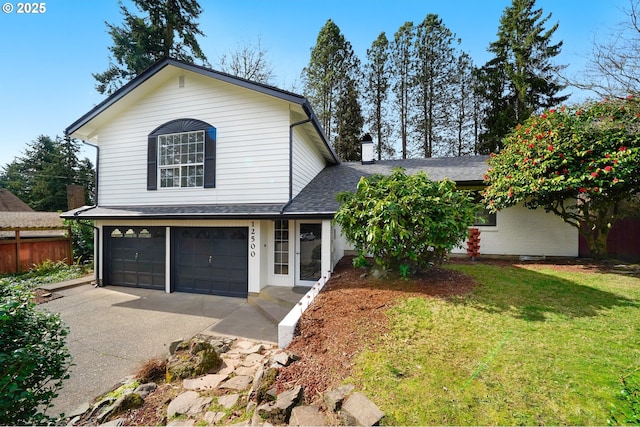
x,y
529,345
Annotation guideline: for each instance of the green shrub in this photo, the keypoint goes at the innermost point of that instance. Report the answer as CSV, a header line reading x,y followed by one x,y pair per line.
x,y
628,410
406,222
81,240
34,360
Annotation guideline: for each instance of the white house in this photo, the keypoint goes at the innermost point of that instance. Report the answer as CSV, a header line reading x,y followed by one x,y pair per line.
x,y
210,183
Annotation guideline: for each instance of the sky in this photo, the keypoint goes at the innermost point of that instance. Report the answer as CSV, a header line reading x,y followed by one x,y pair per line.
x,y
47,59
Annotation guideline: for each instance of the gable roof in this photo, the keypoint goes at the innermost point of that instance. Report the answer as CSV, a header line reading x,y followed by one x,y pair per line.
x,y
319,196
9,202
167,63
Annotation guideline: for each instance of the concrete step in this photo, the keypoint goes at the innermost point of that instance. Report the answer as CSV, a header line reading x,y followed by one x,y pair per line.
x,y
272,308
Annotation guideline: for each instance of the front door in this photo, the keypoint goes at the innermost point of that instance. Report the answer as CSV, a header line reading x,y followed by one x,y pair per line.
x,y
309,253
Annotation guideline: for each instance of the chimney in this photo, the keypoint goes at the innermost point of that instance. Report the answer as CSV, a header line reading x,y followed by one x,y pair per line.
x,y
367,149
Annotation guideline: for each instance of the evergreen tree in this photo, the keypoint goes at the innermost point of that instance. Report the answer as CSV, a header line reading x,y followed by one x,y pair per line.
x,y
402,54
350,122
41,176
462,109
434,60
521,78
168,29
332,65
378,83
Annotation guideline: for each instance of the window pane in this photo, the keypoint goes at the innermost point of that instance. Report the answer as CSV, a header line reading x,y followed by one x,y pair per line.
x,y
185,150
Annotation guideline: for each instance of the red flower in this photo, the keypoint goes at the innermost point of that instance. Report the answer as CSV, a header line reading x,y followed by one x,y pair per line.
x,y
531,146
550,148
543,116
578,112
623,148
594,174
582,190
552,111
608,168
615,180
486,177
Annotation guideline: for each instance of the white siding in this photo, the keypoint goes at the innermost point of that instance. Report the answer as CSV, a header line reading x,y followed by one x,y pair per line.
x,y
252,146
522,231
307,161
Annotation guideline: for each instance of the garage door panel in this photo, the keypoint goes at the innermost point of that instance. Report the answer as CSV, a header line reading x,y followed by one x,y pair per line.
x,y
135,256
212,260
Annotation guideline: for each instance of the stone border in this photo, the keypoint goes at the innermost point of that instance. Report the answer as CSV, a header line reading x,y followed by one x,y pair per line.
x,y
287,327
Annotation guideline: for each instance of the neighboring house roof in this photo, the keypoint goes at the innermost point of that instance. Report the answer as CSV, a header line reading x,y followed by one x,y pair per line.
x,y
31,224
9,202
167,63
317,199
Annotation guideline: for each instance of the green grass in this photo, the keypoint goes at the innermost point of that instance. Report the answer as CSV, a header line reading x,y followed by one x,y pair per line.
x,y
525,347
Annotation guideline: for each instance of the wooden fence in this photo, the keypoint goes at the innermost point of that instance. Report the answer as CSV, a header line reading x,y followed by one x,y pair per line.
x,y
21,253
623,241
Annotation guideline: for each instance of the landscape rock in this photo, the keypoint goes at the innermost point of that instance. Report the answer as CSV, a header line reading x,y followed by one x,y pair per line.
x,y
278,412
359,410
144,389
187,403
213,417
174,345
206,382
227,401
281,358
80,410
240,382
334,398
118,422
123,403
251,350
193,358
307,416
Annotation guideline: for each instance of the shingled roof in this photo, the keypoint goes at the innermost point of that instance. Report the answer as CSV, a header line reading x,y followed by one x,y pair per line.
x,y
319,197
9,202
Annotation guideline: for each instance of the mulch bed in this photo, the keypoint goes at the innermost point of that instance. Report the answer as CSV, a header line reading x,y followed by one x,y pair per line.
x,y
348,314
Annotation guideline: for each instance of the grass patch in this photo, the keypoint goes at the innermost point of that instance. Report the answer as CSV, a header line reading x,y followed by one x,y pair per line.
x,y
527,346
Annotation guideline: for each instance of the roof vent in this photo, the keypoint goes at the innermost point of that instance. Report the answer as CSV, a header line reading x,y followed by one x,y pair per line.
x,y
367,149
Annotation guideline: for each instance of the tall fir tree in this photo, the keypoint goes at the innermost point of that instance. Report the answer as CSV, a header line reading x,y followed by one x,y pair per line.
x,y
434,61
376,94
40,177
462,119
402,54
168,29
521,78
349,123
332,65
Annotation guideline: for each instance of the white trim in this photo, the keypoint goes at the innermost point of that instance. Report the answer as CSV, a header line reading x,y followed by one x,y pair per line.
x,y
167,260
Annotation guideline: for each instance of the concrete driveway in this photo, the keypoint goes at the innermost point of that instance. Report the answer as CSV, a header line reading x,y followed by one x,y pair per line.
x,y
113,330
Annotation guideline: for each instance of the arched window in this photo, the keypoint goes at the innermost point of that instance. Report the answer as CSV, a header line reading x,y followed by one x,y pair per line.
x,y
182,153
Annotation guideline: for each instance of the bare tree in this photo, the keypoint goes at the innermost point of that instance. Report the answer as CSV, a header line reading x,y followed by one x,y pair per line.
x,y
614,65
249,62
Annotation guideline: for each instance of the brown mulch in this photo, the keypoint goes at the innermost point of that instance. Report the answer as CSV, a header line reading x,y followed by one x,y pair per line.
x,y
349,314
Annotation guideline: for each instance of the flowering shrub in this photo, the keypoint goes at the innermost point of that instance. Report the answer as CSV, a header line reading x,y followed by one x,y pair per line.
x,y
579,163
407,222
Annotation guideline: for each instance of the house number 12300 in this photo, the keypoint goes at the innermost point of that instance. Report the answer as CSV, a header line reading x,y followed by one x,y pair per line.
x,y
252,239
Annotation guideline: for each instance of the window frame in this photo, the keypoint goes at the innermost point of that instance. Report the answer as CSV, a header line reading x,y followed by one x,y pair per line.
x,y
165,160
180,126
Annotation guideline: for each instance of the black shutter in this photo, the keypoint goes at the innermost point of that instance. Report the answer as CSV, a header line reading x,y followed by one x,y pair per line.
x,y
210,158
152,163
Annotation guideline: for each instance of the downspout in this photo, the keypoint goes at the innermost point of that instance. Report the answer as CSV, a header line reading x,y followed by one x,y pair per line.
x,y
301,122
96,258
